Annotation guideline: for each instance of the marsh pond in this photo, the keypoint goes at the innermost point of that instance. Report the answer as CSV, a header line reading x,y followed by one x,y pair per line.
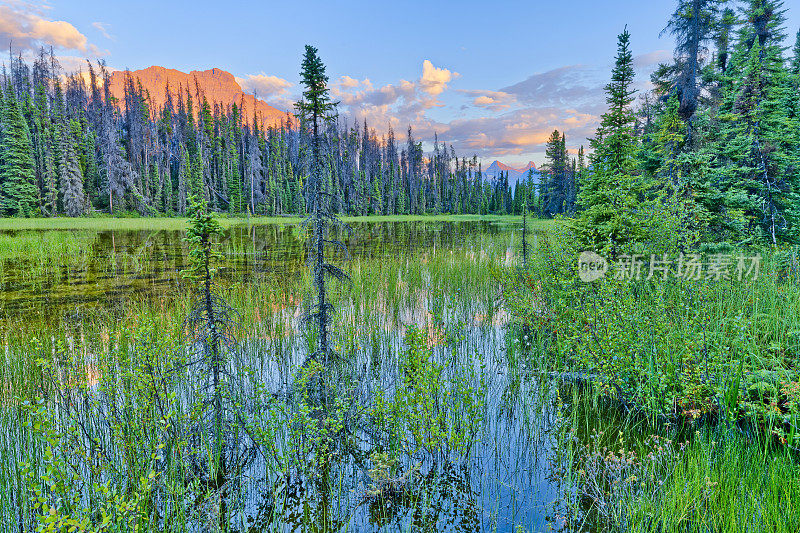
x,y
430,422
165,378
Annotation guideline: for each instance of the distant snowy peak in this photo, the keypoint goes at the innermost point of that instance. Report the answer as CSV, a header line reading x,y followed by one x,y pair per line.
x,y
514,174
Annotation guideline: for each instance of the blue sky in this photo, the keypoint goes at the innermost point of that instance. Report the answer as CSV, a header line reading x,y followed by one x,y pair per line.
x,y
492,78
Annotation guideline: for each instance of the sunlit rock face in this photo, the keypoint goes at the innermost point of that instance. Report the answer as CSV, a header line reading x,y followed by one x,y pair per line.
x,y
514,174
218,86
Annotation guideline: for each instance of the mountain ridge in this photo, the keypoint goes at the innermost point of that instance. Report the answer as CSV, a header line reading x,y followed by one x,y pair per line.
x,y
217,85
493,171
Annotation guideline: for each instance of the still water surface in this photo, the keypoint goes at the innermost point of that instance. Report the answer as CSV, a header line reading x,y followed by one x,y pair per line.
x,y
103,268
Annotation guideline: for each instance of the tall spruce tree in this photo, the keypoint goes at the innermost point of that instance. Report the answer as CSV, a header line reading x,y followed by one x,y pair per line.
x,y
677,184
577,180
316,110
794,73
756,158
692,24
722,38
795,61
555,187
611,194
232,176
18,193
72,193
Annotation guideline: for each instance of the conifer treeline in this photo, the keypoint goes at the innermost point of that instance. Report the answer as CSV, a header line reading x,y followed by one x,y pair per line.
x,y
558,189
67,146
713,148
712,153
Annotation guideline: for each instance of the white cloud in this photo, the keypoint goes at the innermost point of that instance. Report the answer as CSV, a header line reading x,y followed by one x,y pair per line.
x,y
104,29
347,82
263,85
434,80
23,28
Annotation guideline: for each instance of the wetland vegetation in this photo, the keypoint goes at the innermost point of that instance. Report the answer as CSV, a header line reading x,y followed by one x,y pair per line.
x,y
416,414
468,392
610,345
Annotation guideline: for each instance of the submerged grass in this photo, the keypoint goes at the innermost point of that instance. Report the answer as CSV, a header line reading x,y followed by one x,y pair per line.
x,y
98,413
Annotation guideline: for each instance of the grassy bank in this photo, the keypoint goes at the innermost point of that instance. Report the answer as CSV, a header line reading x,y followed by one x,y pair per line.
x,y
709,367
179,224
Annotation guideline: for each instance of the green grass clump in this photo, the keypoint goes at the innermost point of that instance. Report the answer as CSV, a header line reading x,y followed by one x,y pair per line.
x,y
40,248
723,482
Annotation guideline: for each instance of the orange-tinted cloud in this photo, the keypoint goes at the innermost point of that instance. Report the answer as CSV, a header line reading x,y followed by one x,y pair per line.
x,y
492,100
24,28
348,83
264,85
434,80
522,131
393,104
515,120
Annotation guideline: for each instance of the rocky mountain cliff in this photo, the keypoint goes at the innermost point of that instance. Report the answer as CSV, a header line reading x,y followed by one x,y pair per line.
x,y
217,85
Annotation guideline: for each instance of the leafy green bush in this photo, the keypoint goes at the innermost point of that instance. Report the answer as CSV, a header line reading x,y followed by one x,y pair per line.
x,y
104,444
65,496
672,347
433,409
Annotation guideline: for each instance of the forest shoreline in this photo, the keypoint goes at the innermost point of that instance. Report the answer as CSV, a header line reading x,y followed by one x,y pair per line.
x,y
179,223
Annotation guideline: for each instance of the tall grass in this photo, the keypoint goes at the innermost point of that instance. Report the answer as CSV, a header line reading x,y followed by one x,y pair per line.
x,y
723,482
